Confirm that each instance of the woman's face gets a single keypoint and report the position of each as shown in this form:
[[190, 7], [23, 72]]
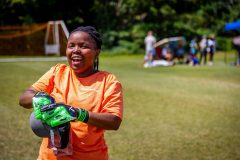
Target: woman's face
[[81, 53]]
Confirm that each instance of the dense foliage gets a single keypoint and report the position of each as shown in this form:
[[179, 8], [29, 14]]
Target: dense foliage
[[125, 22]]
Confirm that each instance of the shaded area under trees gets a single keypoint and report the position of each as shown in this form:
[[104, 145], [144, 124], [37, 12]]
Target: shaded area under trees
[[124, 23]]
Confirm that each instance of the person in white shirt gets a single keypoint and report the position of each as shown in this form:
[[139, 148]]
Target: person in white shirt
[[203, 49], [149, 42], [211, 47]]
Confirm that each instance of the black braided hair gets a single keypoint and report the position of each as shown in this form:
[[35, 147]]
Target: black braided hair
[[92, 32], [95, 35]]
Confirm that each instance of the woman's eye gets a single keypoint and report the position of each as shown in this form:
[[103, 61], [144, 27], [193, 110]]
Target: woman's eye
[[84, 46], [70, 46]]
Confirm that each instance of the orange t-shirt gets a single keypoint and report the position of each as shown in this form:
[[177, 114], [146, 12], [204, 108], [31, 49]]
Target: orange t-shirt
[[100, 92]]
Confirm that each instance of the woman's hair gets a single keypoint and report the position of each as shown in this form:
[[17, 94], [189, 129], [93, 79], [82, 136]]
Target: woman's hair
[[95, 35]]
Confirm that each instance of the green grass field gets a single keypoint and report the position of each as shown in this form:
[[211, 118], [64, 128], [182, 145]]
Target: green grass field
[[170, 113]]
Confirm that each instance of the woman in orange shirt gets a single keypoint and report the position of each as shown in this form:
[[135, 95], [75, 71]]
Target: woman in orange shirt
[[82, 86]]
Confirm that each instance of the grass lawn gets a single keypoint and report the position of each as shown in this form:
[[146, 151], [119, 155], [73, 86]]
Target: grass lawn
[[171, 113]]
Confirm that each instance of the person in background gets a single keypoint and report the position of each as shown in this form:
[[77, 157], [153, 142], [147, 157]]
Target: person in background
[[211, 48], [203, 51], [95, 97], [167, 53], [180, 52], [150, 52], [192, 58], [236, 44], [193, 46]]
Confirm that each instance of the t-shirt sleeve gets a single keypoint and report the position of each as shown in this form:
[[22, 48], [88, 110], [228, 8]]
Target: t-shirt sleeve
[[113, 97], [45, 83]]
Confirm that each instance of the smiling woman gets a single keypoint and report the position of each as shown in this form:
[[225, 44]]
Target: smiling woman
[[92, 98], [82, 51]]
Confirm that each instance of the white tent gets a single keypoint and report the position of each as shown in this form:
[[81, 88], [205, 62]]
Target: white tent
[[168, 40]]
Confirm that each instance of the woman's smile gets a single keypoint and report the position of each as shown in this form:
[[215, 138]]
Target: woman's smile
[[76, 60]]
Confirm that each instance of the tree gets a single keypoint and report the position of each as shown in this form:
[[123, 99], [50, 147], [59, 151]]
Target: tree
[[126, 22]]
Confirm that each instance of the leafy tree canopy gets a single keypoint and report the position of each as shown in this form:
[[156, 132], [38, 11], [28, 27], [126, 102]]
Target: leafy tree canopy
[[126, 21]]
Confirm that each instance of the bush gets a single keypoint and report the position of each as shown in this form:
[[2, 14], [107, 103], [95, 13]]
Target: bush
[[125, 47], [125, 42], [224, 44]]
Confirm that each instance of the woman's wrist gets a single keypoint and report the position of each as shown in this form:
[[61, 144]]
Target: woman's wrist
[[83, 115]]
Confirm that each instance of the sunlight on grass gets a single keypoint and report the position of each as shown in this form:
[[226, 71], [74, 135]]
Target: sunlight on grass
[[178, 113]]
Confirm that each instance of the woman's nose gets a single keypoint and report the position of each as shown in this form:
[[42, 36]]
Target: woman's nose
[[76, 49]]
